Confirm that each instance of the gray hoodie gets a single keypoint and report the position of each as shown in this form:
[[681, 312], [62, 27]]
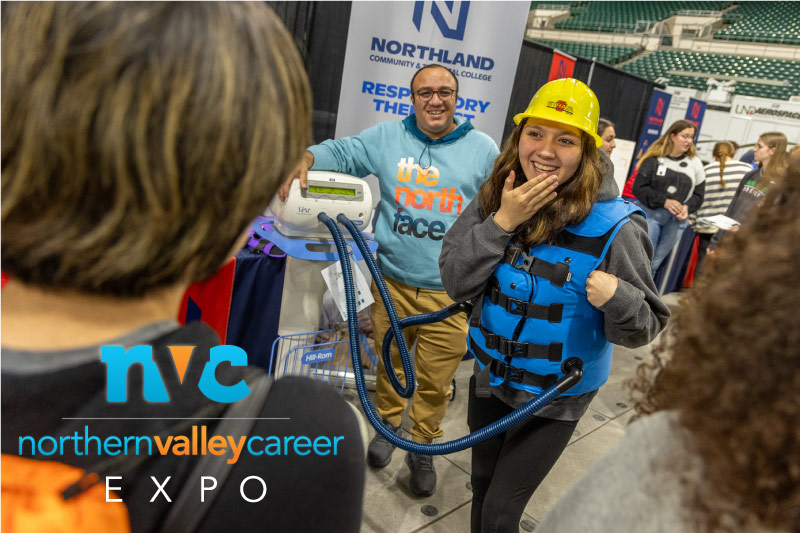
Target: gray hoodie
[[634, 315], [641, 485]]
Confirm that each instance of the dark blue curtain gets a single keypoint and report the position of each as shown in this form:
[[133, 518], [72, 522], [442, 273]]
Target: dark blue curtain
[[256, 304]]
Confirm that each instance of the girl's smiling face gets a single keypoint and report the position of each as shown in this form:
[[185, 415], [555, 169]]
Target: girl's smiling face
[[551, 148]]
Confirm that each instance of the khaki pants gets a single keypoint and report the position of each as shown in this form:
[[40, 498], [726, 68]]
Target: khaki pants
[[440, 347]]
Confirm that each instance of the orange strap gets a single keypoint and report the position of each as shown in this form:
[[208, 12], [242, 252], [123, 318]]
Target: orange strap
[[32, 501]]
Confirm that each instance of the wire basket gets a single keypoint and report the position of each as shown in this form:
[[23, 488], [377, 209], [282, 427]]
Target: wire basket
[[322, 355]]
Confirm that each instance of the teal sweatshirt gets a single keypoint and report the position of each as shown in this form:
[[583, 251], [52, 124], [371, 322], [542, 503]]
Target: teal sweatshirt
[[425, 184]]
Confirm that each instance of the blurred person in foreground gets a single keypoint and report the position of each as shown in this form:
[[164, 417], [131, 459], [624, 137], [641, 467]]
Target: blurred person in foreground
[[139, 140], [715, 445]]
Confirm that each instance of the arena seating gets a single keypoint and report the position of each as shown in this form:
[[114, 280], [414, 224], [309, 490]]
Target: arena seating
[[553, 4], [662, 63], [629, 16], [762, 22], [605, 53]]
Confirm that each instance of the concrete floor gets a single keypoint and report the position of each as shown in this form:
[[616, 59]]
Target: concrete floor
[[390, 507]]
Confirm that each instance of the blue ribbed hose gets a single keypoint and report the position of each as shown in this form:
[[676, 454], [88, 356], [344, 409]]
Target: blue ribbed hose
[[574, 373], [394, 321]]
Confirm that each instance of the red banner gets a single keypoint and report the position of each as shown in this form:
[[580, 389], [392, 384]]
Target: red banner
[[561, 67], [210, 300]]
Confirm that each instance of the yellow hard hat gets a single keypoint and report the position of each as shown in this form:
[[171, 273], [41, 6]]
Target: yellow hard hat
[[566, 101]]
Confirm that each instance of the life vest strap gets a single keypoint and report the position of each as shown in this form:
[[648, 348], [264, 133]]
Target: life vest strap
[[477, 307], [510, 373], [556, 273], [510, 348], [551, 313]]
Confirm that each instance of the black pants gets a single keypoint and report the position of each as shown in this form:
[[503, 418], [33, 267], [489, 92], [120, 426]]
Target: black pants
[[508, 468]]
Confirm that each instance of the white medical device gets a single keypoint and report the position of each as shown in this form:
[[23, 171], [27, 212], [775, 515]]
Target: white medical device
[[296, 218], [329, 192]]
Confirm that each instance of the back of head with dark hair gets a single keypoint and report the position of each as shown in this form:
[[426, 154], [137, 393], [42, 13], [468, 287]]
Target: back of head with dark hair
[[140, 138]]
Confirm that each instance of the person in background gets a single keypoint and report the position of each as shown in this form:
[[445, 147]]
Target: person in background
[[139, 141], [669, 186], [442, 162], [606, 131], [557, 266], [749, 157], [715, 444], [722, 181], [770, 154]]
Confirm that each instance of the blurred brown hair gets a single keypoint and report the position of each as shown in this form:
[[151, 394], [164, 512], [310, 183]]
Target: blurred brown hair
[[731, 369], [140, 138], [575, 197]]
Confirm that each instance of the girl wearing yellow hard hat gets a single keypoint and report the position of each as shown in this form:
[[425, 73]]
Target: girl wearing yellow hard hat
[[557, 267]]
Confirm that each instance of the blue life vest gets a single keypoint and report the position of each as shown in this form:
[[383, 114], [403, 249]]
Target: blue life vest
[[534, 313]]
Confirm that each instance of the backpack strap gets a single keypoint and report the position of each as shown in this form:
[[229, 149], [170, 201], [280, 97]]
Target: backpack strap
[[185, 514]]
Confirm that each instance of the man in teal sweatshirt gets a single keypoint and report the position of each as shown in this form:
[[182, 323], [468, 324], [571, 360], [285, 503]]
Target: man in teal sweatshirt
[[430, 166]]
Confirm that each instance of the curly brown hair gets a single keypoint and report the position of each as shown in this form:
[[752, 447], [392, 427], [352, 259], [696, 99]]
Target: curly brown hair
[[573, 203], [731, 368]]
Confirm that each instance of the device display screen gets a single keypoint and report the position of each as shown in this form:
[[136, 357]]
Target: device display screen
[[331, 190]]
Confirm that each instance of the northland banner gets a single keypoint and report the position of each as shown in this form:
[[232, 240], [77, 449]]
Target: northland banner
[[388, 41]]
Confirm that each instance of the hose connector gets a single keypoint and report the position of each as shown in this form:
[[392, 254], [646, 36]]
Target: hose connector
[[573, 368], [461, 307]]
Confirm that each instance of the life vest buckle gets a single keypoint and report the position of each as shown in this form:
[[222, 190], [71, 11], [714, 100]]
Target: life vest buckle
[[511, 348], [514, 374], [527, 263], [507, 372]]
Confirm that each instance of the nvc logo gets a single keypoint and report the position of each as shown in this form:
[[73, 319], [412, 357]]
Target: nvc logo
[[444, 14], [118, 360]]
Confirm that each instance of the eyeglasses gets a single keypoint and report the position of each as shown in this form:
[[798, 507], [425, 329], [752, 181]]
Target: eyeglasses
[[427, 94]]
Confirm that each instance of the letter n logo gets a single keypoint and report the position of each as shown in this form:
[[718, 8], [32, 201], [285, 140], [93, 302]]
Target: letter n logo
[[562, 71], [118, 360], [439, 13]]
